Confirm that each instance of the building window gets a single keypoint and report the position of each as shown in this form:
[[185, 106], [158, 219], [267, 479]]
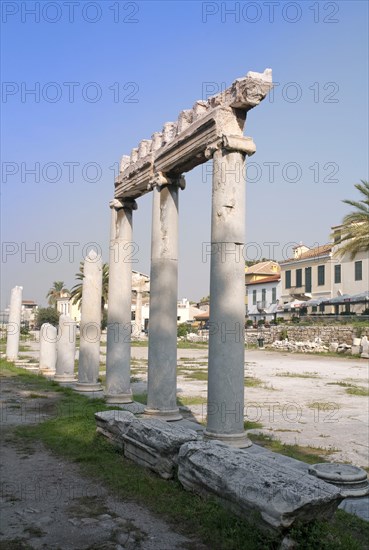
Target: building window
[[358, 271], [298, 278], [254, 297], [321, 275], [288, 279], [337, 274], [321, 308], [307, 279], [274, 295], [263, 295]]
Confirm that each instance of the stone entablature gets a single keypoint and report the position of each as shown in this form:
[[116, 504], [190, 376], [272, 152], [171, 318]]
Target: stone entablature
[[190, 141]]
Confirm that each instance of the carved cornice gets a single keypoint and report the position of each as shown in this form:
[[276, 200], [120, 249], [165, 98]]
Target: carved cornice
[[184, 144]]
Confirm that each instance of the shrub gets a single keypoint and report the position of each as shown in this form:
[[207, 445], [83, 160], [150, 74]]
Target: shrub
[[47, 315]]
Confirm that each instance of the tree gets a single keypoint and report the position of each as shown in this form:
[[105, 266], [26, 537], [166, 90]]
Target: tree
[[76, 292], [47, 315], [56, 291], [354, 233]]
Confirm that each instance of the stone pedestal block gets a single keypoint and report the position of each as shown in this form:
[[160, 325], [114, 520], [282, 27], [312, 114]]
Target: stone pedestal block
[[255, 486]]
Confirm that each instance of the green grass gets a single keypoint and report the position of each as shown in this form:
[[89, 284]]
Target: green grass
[[192, 400], [72, 435], [197, 375], [251, 382], [358, 390], [308, 454]]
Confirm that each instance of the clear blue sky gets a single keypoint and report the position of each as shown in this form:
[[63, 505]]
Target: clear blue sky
[[148, 61]]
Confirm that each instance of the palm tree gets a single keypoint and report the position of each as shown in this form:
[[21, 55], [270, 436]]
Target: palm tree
[[354, 233], [76, 292], [56, 291]]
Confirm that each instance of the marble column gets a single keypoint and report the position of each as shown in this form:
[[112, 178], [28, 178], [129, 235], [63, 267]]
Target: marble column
[[90, 326], [65, 350], [225, 414], [162, 364], [138, 314], [14, 323], [118, 352], [48, 340]]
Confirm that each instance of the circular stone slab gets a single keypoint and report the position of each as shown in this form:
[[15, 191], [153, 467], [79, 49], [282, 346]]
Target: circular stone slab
[[352, 480]]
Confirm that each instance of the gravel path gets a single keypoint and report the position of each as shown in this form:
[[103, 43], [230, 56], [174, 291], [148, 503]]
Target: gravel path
[[46, 503]]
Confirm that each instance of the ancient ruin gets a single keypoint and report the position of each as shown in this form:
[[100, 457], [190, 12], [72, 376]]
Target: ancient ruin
[[212, 129]]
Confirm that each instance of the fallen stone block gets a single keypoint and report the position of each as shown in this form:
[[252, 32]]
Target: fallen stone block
[[112, 425], [256, 487], [149, 442]]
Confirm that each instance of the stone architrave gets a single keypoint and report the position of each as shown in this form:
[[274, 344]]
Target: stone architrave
[[225, 414], [66, 350], [118, 352], [90, 326], [48, 341], [14, 323], [256, 486], [162, 354]]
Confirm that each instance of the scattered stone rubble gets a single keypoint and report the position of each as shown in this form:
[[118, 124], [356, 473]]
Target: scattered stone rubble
[[358, 347]]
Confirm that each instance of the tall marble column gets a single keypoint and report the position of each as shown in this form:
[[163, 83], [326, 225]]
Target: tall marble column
[[138, 314], [118, 352], [48, 340], [90, 326], [225, 418], [14, 323], [162, 367], [65, 350]]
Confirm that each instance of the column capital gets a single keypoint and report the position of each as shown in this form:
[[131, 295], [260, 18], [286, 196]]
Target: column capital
[[160, 179], [240, 144], [118, 204]]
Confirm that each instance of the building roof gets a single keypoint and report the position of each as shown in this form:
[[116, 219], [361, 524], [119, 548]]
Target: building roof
[[271, 279], [263, 268], [29, 303], [322, 250]]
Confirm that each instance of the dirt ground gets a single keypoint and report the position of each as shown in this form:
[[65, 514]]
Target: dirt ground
[[46, 502]]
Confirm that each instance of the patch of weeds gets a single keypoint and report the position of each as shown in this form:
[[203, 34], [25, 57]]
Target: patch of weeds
[[251, 425], [197, 375], [345, 532], [88, 507], [358, 390], [34, 531], [140, 398], [251, 382], [192, 400], [15, 544], [308, 454], [37, 396]]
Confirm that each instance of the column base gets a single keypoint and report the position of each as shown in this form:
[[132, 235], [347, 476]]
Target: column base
[[118, 398], [64, 378], [241, 441], [81, 386], [47, 372], [166, 416]]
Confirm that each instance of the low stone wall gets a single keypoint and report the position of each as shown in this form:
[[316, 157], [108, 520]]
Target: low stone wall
[[327, 334]]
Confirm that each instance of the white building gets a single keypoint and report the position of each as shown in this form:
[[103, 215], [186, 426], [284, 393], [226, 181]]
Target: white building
[[263, 297]]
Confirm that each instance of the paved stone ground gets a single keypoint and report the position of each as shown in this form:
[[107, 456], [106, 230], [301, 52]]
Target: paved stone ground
[[46, 503]]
